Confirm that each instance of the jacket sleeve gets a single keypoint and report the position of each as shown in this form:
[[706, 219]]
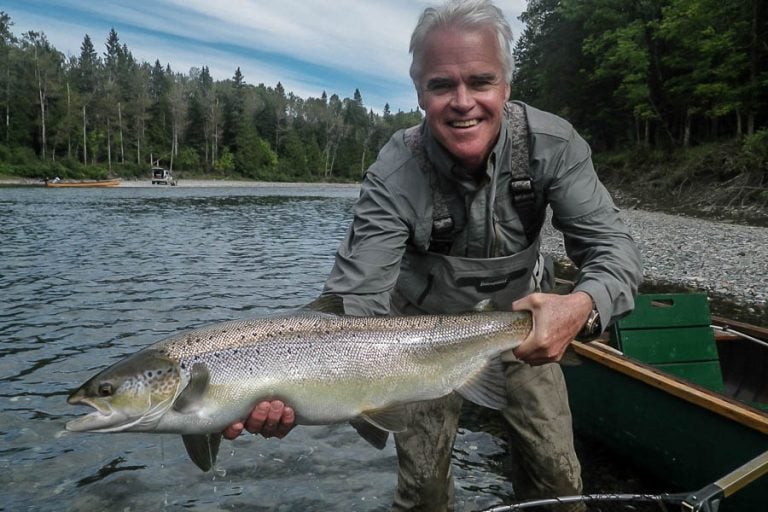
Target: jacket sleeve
[[595, 237], [368, 260]]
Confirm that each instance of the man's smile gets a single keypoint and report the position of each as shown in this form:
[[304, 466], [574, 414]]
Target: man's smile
[[465, 124]]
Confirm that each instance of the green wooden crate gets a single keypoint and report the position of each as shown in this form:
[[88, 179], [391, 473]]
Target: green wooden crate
[[672, 333]]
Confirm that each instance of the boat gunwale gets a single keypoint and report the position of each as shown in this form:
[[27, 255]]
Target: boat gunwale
[[732, 409]]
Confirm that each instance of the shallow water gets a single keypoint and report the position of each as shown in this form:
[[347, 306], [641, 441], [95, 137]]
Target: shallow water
[[88, 276]]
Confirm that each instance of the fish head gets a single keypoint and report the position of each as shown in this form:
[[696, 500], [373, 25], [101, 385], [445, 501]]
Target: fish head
[[131, 395]]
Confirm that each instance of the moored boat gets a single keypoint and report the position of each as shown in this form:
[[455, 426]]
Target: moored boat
[[82, 183], [678, 394]]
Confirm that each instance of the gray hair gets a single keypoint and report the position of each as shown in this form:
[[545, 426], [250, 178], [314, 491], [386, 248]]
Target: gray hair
[[466, 14]]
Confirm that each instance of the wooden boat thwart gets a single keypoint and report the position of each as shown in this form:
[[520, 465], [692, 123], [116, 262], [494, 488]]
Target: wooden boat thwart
[[683, 402], [83, 183]]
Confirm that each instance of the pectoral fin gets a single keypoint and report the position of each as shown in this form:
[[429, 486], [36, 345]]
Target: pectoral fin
[[202, 449], [487, 387], [190, 398]]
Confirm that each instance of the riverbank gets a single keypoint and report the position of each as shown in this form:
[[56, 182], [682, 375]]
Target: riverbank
[[188, 183]]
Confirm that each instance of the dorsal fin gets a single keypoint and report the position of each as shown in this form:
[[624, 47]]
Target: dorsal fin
[[327, 304], [487, 387]]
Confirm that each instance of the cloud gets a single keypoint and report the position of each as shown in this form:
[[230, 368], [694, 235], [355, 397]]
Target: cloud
[[309, 46]]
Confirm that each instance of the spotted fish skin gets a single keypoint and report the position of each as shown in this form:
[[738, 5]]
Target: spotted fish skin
[[329, 367]]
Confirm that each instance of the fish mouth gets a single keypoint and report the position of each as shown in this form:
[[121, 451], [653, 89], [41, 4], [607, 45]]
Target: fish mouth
[[103, 419]]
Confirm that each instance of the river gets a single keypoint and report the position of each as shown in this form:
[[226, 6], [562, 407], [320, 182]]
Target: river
[[88, 276]]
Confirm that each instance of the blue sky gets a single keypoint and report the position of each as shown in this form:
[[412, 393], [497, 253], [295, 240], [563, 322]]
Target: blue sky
[[310, 46]]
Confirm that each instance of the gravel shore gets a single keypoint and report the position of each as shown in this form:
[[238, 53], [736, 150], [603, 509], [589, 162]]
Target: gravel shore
[[727, 260]]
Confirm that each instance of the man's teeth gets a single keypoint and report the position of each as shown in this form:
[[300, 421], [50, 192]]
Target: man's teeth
[[464, 124]]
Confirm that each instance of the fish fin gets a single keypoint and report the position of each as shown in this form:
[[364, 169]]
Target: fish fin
[[189, 398], [371, 433], [390, 419], [202, 449], [487, 387], [327, 304], [485, 306]]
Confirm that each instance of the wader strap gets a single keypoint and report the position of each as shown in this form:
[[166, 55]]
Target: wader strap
[[520, 184], [443, 224]]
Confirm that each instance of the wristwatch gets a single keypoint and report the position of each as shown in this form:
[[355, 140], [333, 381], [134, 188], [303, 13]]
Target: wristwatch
[[591, 328]]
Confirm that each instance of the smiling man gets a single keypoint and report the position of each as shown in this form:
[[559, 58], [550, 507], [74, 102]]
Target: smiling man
[[450, 215]]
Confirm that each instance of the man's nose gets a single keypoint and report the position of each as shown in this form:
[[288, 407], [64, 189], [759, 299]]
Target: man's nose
[[462, 98]]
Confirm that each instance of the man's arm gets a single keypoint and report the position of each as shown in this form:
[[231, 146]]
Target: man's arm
[[596, 240]]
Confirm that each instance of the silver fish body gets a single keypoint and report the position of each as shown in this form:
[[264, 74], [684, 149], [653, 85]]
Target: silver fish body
[[330, 368]]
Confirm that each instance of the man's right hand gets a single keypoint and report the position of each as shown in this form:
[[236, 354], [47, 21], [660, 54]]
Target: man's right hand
[[270, 419]]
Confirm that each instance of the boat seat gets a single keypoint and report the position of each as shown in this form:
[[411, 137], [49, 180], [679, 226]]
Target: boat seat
[[672, 332]]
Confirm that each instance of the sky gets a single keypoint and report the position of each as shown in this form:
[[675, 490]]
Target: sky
[[310, 46]]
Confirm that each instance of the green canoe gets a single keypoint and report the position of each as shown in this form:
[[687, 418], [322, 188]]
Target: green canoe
[[678, 397]]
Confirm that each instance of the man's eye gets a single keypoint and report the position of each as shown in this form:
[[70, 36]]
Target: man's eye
[[438, 86], [482, 85]]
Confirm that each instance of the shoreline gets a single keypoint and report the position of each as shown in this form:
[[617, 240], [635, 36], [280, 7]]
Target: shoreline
[[191, 183]]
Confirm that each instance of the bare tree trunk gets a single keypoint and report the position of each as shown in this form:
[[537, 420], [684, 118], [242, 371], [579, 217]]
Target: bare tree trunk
[[41, 94], [85, 140], [109, 146], [120, 127], [647, 136], [69, 122], [8, 98]]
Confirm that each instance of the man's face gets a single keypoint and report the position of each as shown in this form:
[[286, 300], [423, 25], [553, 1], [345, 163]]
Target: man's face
[[462, 90]]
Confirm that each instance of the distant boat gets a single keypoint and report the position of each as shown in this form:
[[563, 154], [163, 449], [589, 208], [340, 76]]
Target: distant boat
[[57, 183], [161, 176]]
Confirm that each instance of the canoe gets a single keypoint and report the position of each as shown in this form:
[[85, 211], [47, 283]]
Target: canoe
[[84, 183], [678, 394]]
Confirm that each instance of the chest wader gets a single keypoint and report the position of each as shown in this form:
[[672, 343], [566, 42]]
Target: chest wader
[[435, 282]]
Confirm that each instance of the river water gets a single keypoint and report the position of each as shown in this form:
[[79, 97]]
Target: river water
[[88, 276]]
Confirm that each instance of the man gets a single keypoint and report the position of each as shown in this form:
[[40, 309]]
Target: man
[[450, 215]]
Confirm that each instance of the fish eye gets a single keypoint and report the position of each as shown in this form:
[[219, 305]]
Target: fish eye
[[105, 389]]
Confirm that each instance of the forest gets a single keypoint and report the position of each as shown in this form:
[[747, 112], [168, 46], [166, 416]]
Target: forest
[[105, 114], [644, 81], [671, 94]]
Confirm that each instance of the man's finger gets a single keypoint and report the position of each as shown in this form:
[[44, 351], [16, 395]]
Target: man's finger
[[234, 430]]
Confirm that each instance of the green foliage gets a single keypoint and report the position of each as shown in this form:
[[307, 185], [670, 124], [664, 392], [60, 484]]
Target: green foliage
[[667, 73], [187, 159], [226, 163], [110, 111]]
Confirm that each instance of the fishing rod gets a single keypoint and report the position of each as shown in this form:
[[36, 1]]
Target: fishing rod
[[706, 499]]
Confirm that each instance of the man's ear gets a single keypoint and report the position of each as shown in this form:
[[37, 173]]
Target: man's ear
[[421, 99]]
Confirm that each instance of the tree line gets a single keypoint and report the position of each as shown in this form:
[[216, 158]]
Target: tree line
[[658, 73], [108, 113]]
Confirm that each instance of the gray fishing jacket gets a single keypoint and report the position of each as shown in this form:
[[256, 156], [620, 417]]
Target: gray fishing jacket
[[386, 252]]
